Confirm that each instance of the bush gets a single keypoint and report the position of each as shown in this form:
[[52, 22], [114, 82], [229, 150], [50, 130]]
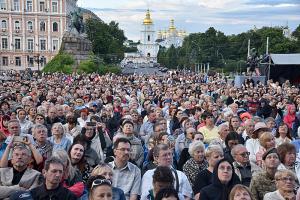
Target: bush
[[87, 66], [62, 62]]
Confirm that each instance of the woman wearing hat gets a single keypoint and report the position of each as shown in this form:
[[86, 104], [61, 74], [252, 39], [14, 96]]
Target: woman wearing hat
[[137, 152], [253, 144]]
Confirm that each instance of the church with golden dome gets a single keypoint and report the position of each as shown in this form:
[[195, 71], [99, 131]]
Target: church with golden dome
[[149, 42], [171, 36], [148, 48]]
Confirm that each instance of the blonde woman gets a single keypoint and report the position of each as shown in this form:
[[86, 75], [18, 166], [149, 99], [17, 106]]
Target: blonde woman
[[106, 171]]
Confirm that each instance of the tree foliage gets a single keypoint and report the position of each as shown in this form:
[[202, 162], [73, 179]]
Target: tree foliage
[[107, 40], [223, 51], [62, 62]]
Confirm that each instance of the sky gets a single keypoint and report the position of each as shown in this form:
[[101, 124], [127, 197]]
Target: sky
[[228, 16]]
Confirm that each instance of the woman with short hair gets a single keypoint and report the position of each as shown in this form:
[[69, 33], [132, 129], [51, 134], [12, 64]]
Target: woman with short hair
[[285, 183], [213, 154], [197, 162], [105, 170]]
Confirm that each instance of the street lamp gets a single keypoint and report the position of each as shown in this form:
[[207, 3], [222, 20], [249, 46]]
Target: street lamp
[[38, 60]]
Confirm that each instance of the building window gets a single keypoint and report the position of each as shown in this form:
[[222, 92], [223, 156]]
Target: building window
[[30, 44], [5, 61], [30, 61], [42, 6], [42, 26], [2, 5], [42, 45], [17, 25], [17, 44], [29, 6], [4, 24], [55, 27], [43, 61], [18, 61], [148, 37], [29, 25], [55, 45], [4, 43], [54, 6], [16, 5]]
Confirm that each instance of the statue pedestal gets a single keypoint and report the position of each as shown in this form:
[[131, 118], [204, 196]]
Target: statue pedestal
[[76, 45]]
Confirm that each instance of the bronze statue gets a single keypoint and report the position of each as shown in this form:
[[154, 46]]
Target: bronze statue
[[77, 21]]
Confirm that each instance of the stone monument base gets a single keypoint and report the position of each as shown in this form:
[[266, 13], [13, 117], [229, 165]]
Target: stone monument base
[[76, 45]]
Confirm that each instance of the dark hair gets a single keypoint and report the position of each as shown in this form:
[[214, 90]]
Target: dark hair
[[165, 193], [230, 122], [206, 114], [231, 136], [288, 134], [82, 162], [91, 179], [285, 148], [119, 140], [52, 160], [163, 174]]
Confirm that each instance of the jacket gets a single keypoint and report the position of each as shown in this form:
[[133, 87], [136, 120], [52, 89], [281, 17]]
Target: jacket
[[30, 179], [60, 193], [217, 190]]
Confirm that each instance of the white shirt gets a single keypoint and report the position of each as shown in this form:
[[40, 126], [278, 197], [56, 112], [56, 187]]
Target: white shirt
[[184, 184], [252, 145]]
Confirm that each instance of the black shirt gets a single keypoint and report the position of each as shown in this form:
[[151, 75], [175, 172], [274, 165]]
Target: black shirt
[[204, 178], [17, 176]]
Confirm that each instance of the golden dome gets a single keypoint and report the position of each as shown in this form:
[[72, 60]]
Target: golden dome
[[172, 27], [148, 20]]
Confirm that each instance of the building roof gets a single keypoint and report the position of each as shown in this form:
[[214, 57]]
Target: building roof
[[286, 59]]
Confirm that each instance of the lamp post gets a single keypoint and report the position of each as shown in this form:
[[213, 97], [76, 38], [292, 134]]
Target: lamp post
[[38, 60]]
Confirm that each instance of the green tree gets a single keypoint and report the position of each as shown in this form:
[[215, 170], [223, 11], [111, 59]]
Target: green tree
[[62, 62], [107, 40]]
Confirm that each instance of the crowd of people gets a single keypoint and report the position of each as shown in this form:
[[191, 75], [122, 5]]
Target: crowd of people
[[173, 137]]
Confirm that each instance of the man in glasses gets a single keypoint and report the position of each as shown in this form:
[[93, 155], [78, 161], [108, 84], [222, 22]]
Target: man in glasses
[[126, 175], [19, 176], [242, 165], [164, 157], [52, 189]]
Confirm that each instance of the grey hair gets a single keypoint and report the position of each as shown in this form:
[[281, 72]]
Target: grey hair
[[22, 147], [38, 126], [60, 126], [194, 146], [234, 149]]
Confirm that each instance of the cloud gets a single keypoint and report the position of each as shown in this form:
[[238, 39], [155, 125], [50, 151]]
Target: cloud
[[229, 16]]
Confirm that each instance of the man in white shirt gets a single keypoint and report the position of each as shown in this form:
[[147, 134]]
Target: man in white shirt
[[164, 157]]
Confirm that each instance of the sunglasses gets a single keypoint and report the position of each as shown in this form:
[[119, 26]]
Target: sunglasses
[[99, 182]]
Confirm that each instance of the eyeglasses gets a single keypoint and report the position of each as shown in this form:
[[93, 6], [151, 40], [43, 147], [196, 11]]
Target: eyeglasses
[[98, 182], [244, 154], [286, 179], [124, 149], [222, 168]]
